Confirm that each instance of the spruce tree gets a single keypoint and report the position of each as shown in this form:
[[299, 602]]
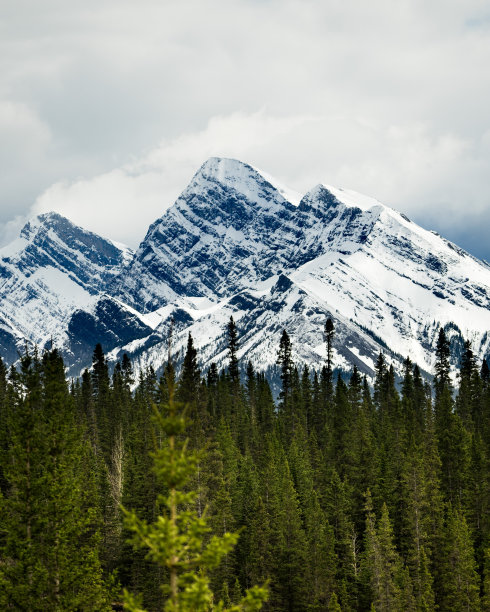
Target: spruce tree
[[320, 541], [442, 378], [233, 370], [468, 401], [453, 439], [390, 586], [460, 580], [421, 500], [190, 377], [329, 337], [285, 361]]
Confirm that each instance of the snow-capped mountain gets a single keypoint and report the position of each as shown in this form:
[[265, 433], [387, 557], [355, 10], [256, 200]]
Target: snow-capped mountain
[[232, 233], [228, 230], [53, 269], [238, 243]]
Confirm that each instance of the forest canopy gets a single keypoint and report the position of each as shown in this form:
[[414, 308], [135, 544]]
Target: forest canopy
[[339, 496]]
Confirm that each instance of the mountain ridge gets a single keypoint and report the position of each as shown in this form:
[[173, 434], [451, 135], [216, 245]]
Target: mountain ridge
[[233, 244]]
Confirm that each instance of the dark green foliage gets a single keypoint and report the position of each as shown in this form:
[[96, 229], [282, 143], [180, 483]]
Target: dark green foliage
[[291, 478], [188, 387], [460, 589], [285, 361], [48, 508], [175, 541], [233, 370]]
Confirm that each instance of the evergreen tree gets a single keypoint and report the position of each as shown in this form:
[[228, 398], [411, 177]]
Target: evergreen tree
[[468, 400], [421, 499], [190, 377], [285, 361], [341, 443], [390, 587], [329, 337], [333, 604], [442, 378], [453, 439], [321, 561], [347, 541], [233, 369], [460, 580], [102, 402]]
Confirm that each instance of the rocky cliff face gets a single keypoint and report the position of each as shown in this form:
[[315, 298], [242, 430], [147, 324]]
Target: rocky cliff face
[[51, 270]]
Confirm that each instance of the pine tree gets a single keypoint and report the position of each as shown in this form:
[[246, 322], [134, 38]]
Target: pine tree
[[287, 537], [306, 399], [452, 437], [390, 586], [468, 401], [285, 361], [321, 560], [233, 370], [341, 442], [102, 402], [421, 500], [347, 540], [190, 377], [329, 337], [442, 379], [460, 580], [333, 604], [139, 487]]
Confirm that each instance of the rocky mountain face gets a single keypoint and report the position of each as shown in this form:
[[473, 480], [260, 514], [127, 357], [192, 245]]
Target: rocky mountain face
[[51, 271], [237, 244]]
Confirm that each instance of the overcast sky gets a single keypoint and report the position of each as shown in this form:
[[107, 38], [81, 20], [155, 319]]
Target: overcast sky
[[108, 107]]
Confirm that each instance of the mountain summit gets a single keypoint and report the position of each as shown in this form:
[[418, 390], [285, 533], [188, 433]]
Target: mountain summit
[[52, 269]]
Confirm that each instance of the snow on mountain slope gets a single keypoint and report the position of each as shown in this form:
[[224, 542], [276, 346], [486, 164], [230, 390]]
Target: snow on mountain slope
[[395, 278], [260, 317], [52, 269]]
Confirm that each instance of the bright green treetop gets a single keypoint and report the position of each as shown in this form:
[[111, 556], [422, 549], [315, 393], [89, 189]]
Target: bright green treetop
[[176, 540]]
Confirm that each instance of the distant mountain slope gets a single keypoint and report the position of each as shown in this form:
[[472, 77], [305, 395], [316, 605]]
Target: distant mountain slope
[[51, 270]]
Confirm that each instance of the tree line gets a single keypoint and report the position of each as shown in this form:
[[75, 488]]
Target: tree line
[[339, 496]]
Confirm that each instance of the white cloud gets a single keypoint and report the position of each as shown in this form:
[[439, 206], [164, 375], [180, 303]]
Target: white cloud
[[387, 98], [404, 166], [122, 203], [21, 129]]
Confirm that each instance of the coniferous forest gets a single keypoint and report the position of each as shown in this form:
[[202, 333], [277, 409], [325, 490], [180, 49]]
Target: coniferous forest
[[197, 491]]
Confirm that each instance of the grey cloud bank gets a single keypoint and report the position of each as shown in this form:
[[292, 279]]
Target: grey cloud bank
[[108, 108]]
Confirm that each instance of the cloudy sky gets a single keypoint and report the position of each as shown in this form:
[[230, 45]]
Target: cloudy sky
[[108, 107]]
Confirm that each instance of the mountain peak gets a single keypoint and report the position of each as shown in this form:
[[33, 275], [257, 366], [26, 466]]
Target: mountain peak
[[52, 239], [353, 199], [235, 242], [227, 171], [238, 176], [46, 221]]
